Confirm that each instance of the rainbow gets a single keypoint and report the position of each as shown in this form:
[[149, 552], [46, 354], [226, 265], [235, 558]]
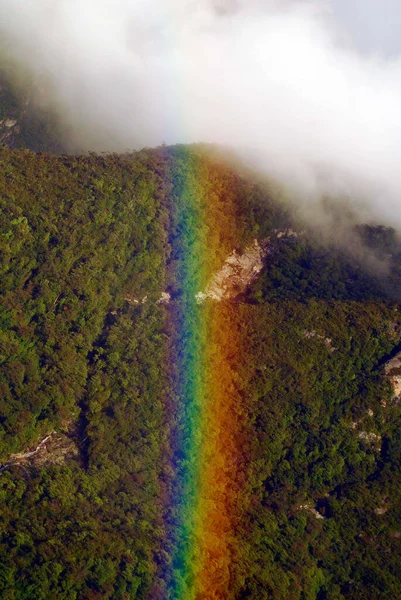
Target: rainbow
[[207, 429]]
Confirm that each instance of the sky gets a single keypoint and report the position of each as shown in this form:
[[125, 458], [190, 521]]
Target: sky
[[372, 26], [308, 90]]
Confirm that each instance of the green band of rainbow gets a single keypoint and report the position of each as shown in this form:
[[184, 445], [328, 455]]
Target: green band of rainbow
[[206, 431]]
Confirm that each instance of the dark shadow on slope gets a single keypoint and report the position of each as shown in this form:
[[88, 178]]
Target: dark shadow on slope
[[297, 269]]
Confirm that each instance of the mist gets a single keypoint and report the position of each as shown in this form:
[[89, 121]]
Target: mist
[[303, 90]]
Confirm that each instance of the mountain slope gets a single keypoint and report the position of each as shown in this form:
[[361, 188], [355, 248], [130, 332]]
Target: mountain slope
[[87, 350], [23, 123]]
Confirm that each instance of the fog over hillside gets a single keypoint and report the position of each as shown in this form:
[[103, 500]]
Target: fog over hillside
[[309, 91]]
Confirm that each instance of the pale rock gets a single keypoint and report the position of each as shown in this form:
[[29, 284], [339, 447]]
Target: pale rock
[[370, 437], [165, 298], [54, 449], [312, 510], [328, 342], [237, 273], [393, 371]]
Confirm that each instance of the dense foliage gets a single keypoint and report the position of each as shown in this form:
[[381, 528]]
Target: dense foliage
[[88, 244]]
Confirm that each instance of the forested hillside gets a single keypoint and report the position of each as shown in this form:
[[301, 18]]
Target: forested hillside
[[23, 121], [88, 355]]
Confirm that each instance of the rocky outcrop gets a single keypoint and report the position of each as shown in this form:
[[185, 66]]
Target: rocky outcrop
[[165, 298], [240, 270], [132, 300], [287, 233], [54, 449], [237, 273], [328, 342], [312, 510], [393, 371], [25, 119], [8, 129], [381, 510], [370, 438]]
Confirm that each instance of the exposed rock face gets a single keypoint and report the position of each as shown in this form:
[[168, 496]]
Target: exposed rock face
[[9, 122], [370, 437], [355, 424], [237, 273], [10, 113], [25, 120], [289, 233], [54, 449], [165, 298], [328, 342], [8, 128], [393, 372], [312, 510], [132, 300]]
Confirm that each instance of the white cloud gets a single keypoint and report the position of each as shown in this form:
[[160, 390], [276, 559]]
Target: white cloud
[[269, 77]]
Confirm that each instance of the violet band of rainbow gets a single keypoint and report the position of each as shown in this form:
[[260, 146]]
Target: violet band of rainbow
[[206, 431]]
